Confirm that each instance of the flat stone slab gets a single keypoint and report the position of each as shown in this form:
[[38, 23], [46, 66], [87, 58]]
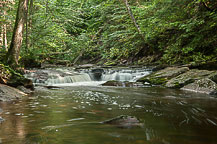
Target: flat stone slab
[[162, 76], [8, 93], [187, 78], [205, 85], [171, 72]]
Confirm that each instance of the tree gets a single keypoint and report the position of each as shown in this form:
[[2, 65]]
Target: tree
[[17, 38], [3, 24]]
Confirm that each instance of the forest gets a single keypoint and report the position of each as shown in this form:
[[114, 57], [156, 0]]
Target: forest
[[108, 71], [108, 32]]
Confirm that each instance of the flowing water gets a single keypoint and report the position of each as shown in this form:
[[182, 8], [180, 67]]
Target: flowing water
[[73, 115]]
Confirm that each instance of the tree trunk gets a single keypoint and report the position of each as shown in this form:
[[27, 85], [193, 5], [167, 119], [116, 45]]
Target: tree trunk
[[3, 33], [30, 13], [1, 36], [27, 32], [17, 38], [5, 41], [132, 17]]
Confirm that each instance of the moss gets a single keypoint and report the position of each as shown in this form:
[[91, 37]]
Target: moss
[[158, 81], [13, 78], [153, 80]]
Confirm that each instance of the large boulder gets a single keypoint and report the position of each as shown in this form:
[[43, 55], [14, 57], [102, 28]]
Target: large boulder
[[164, 75], [187, 78], [16, 80], [204, 85], [12, 78], [8, 93], [97, 73]]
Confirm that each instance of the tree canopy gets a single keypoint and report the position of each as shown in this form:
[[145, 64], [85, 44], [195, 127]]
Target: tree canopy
[[114, 31]]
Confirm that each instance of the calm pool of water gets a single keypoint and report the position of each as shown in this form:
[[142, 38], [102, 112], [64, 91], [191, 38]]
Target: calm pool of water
[[72, 115]]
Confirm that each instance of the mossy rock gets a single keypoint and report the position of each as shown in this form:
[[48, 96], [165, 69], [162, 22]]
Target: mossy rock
[[153, 80], [12, 78], [163, 76], [204, 85], [16, 81], [187, 78]]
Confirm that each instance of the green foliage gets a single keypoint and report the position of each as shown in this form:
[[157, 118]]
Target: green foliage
[[177, 31]]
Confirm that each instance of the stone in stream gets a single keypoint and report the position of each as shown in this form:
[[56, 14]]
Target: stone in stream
[[205, 85], [123, 84], [97, 73], [124, 121]]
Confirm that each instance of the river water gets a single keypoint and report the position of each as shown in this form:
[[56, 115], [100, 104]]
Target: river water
[[72, 115]]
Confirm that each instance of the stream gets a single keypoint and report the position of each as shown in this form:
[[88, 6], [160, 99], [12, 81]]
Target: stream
[[72, 113]]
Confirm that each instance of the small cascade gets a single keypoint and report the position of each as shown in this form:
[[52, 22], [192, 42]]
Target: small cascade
[[117, 76], [68, 77], [130, 75], [53, 77]]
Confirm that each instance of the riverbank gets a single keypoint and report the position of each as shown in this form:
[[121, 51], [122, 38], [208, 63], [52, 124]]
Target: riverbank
[[185, 77]]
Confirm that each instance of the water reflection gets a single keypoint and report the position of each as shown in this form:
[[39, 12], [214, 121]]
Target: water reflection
[[13, 128], [73, 115]]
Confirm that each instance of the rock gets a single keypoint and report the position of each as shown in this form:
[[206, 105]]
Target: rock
[[171, 72], [12, 78], [159, 67], [24, 89], [52, 87], [187, 78], [204, 85], [123, 84], [16, 81], [47, 65], [213, 76], [1, 119], [97, 73], [124, 121], [86, 66], [8, 93], [162, 76]]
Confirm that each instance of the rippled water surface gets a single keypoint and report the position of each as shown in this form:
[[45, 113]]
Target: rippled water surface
[[72, 115]]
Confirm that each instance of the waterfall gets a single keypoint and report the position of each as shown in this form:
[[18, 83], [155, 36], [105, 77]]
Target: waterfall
[[68, 76], [53, 77], [69, 79], [119, 74]]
